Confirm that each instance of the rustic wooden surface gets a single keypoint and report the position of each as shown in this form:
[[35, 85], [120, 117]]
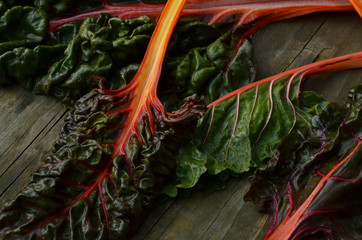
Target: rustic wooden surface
[[29, 125]]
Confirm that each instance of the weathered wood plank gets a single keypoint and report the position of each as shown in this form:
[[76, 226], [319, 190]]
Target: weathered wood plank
[[199, 210], [337, 35], [29, 125]]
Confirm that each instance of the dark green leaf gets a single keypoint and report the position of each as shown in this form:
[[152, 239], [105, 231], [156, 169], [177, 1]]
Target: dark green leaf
[[22, 64], [99, 47], [244, 131], [84, 191], [211, 70], [22, 27]]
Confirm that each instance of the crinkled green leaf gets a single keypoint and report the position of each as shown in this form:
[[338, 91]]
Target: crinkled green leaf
[[203, 59], [244, 131], [191, 165], [21, 64], [112, 48], [312, 185], [22, 27], [242, 134], [84, 191], [99, 47], [212, 64], [115, 151]]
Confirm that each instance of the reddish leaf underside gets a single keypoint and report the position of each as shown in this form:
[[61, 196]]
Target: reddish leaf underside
[[312, 184], [288, 226], [293, 219]]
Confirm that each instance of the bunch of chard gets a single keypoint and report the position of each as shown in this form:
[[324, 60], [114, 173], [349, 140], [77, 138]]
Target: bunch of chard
[[123, 142]]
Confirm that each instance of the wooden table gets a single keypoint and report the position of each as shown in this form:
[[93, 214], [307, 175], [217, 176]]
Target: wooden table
[[29, 125]]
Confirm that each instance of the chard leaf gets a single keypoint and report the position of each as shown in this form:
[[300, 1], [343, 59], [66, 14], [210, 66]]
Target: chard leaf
[[111, 160], [22, 27], [312, 185], [97, 48], [211, 70], [86, 189], [22, 63], [204, 65], [243, 129]]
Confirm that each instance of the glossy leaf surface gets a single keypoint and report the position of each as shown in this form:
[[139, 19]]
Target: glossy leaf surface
[[312, 184], [243, 129], [22, 27], [102, 47]]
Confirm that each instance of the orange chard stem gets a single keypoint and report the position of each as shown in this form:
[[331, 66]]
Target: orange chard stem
[[349, 61], [289, 224], [144, 84], [357, 4]]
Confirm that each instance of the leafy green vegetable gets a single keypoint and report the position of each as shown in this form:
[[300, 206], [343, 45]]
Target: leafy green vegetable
[[312, 184], [97, 48], [118, 146], [22, 27], [243, 129], [206, 70], [111, 160], [83, 191], [112, 48]]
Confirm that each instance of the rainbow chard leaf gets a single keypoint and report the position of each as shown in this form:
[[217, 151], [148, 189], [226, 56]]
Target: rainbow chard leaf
[[118, 145], [312, 185], [111, 159], [104, 173], [243, 129]]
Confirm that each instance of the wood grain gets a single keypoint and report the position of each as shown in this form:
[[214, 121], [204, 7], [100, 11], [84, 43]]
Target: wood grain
[[29, 125]]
